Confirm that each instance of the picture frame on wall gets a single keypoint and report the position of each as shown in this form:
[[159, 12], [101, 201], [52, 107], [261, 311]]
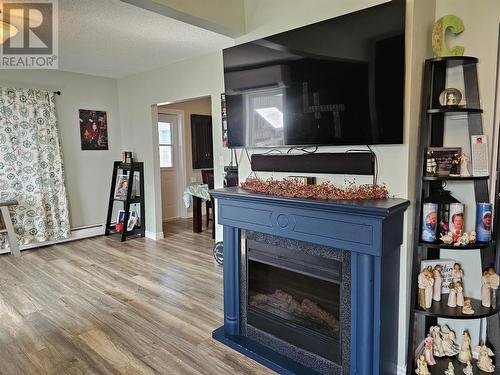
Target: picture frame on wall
[[93, 129], [443, 161]]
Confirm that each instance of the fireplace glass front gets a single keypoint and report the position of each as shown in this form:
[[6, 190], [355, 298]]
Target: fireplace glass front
[[296, 299]]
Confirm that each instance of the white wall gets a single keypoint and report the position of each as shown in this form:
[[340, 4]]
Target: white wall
[[88, 173], [180, 81]]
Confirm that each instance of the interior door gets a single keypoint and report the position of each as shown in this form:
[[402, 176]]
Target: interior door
[[168, 126]]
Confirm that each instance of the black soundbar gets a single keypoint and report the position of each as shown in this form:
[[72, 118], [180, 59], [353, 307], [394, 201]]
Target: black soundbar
[[358, 163]]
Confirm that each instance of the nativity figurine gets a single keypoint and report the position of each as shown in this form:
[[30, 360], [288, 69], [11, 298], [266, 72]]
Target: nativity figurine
[[490, 282], [437, 341], [428, 350], [452, 296], [450, 349], [438, 282], [465, 354], [468, 369], [457, 274], [425, 288], [484, 362], [467, 309], [450, 370], [422, 368], [459, 289]]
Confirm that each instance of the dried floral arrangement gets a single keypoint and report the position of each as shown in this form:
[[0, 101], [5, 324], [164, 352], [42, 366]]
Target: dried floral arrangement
[[295, 188]]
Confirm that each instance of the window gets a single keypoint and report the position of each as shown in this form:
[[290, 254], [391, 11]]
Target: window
[[166, 145]]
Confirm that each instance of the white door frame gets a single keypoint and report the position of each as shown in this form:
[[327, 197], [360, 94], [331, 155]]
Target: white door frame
[[181, 160]]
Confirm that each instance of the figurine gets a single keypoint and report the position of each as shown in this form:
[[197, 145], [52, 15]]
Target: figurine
[[447, 239], [464, 166], [425, 288], [468, 369], [450, 370], [452, 297], [431, 167], [459, 289], [490, 281], [422, 368], [428, 351], [467, 309], [450, 349], [455, 165], [437, 341], [457, 272], [484, 362], [438, 282], [465, 354]]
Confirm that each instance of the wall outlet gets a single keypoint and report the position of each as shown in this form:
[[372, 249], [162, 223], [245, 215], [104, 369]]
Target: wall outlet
[[193, 179]]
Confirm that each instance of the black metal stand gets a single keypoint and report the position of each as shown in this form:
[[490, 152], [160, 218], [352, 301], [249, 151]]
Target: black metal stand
[[129, 170]]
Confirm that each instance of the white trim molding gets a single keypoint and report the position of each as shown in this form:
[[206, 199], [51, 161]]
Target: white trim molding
[[76, 234], [154, 236]]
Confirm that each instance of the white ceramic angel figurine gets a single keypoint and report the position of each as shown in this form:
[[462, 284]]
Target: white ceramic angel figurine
[[467, 309], [490, 281], [438, 282], [464, 165], [484, 362], [428, 351], [485, 290], [457, 273], [452, 297], [465, 354], [437, 341], [450, 370], [460, 293], [494, 282], [450, 349], [422, 368], [468, 369], [425, 288]]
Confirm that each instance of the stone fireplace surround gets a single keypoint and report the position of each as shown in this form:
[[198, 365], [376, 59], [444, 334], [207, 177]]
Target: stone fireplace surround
[[370, 232]]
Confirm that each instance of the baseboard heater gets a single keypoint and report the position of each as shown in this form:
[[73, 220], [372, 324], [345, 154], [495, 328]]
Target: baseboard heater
[[356, 163]]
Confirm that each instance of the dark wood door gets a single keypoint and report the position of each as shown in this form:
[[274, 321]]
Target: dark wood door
[[201, 141]]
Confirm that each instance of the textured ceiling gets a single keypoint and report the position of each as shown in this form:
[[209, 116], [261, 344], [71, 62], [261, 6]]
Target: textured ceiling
[[114, 39]]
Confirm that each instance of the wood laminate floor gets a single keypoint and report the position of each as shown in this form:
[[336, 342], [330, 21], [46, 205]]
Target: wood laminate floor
[[98, 306]]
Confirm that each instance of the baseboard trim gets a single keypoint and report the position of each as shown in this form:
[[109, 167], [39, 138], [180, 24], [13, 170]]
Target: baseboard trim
[[76, 234], [154, 236]]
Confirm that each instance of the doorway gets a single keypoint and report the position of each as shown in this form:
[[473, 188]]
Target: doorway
[[179, 165]]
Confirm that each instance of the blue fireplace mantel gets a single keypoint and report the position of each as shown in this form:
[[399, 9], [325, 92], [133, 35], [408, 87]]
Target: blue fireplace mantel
[[372, 231]]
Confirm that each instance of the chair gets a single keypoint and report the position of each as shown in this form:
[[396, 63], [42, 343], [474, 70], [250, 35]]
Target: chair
[[207, 176]]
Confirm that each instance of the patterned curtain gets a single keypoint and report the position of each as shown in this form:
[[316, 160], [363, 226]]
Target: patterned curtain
[[31, 167]]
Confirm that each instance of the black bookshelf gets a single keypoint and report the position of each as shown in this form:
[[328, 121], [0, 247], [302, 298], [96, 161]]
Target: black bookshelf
[[431, 134], [129, 169]]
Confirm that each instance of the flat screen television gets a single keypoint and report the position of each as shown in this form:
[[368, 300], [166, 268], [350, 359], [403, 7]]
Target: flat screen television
[[335, 82]]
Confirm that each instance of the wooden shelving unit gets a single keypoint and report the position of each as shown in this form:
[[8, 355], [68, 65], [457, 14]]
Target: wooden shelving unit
[[431, 135], [130, 170]]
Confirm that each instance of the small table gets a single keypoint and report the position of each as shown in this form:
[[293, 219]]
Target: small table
[[199, 194], [7, 224]]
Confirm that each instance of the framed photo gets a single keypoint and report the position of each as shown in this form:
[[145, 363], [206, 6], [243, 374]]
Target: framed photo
[[479, 148], [121, 187], [443, 161], [93, 129]]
